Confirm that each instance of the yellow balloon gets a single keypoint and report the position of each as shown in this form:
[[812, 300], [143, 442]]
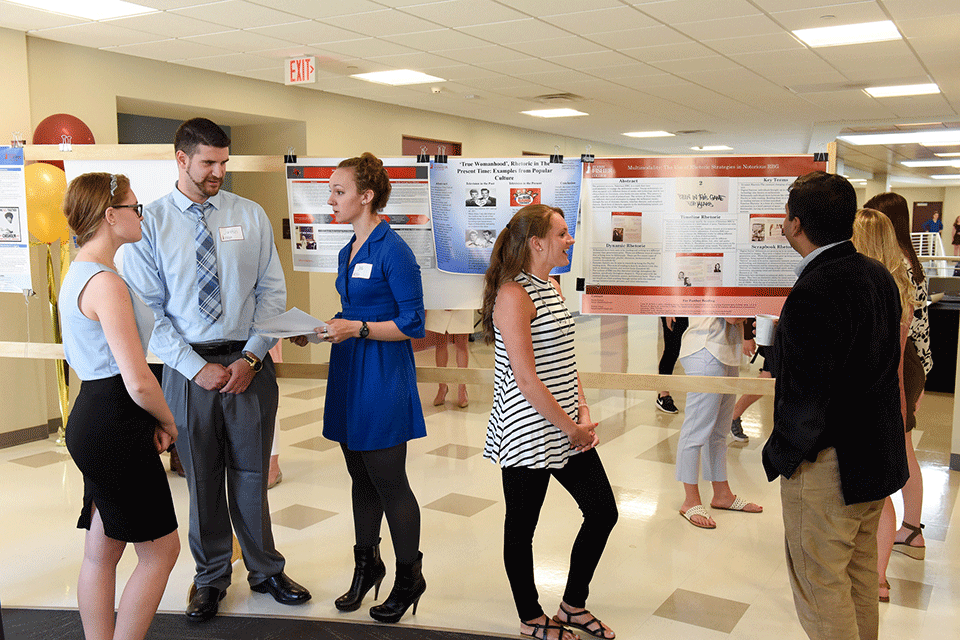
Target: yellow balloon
[[46, 185]]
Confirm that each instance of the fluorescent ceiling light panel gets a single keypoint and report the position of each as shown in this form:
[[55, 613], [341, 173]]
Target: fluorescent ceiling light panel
[[848, 34], [938, 137], [931, 163], [946, 176], [903, 90], [89, 9], [952, 154], [554, 113], [397, 77], [649, 134], [713, 147]]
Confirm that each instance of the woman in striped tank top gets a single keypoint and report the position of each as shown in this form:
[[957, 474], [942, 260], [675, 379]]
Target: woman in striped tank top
[[540, 425]]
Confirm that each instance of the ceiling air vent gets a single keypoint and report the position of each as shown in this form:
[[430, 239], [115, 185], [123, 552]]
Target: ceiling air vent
[[558, 98]]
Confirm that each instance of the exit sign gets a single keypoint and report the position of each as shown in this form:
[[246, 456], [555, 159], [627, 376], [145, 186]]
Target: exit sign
[[301, 71]]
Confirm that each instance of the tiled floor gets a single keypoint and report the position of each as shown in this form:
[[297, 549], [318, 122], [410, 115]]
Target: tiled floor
[[659, 577]]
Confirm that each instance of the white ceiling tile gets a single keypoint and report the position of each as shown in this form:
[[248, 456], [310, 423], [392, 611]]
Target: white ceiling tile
[[599, 20], [240, 41], [751, 44], [540, 8], [20, 18], [386, 22], [306, 32], [687, 65], [660, 53], [166, 24], [320, 8], [233, 62], [169, 50], [237, 14], [853, 13], [175, 4], [483, 55], [519, 31], [744, 26], [363, 48], [633, 38], [96, 35], [436, 40], [911, 9], [418, 61], [464, 13], [295, 51], [558, 47], [593, 60], [678, 11], [518, 68]]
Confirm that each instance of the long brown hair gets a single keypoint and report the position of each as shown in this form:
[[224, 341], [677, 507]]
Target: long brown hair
[[873, 236], [511, 255], [894, 206]]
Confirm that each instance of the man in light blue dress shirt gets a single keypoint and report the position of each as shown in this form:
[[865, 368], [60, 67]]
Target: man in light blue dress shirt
[[218, 379]]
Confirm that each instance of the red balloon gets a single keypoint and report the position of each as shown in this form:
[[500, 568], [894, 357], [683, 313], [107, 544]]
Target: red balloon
[[52, 129]]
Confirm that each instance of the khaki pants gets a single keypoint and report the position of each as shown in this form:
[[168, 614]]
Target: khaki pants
[[831, 553]]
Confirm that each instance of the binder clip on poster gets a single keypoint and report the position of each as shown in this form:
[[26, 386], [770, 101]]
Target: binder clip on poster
[[290, 157], [556, 158], [441, 157], [587, 158], [66, 143], [17, 140], [423, 156]]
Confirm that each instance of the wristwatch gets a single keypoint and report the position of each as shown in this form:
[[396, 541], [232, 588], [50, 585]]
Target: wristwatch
[[364, 330], [255, 363]]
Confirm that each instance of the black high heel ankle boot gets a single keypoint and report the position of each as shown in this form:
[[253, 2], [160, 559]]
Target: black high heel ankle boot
[[407, 589], [368, 573]]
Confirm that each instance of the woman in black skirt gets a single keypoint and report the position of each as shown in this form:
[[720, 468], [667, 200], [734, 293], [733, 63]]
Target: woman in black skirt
[[120, 421]]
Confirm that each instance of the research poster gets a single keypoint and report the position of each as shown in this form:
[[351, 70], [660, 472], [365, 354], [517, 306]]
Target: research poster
[[472, 200], [316, 236], [688, 236], [14, 235]]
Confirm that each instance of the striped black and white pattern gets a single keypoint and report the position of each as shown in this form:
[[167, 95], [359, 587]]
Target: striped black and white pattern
[[518, 436]]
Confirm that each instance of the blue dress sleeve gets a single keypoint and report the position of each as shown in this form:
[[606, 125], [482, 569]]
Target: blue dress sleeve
[[403, 278]]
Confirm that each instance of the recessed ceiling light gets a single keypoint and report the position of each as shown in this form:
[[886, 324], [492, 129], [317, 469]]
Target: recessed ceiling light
[[713, 147], [554, 113], [902, 90], [649, 134], [848, 34], [931, 163], [397, 77], [89, 9], [940, 136]]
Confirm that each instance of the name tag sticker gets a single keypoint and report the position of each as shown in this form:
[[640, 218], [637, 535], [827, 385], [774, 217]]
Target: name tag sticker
[[231, 234], [362, 270]]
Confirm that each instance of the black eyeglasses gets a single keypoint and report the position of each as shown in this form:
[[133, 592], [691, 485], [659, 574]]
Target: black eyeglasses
[[136, 207]]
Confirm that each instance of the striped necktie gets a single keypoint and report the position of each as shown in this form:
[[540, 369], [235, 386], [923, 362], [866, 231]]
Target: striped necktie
[[207, 281]]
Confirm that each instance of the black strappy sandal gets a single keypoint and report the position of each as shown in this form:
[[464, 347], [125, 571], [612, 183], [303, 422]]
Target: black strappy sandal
[[917, 553], [593, 626]]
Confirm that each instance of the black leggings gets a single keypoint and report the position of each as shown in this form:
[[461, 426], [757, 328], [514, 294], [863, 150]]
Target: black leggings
[[380, 487], [671, 345], [524, 490]]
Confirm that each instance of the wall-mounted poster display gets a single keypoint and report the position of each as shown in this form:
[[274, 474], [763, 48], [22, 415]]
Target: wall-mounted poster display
[[14, 239], [316, 236], [688, 236], [472, 199]]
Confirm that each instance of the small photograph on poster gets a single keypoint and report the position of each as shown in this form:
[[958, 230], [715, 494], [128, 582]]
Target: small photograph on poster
[[627, 226], [767, 228], [699, 269], [10, 224], [523, 196], [480, 238], [486, 198], [703, 193]]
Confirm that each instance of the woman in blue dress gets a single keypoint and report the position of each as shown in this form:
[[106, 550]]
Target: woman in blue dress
[[119, 422], [373, 406]]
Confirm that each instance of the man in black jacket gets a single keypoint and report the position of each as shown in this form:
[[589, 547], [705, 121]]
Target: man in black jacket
[[838, 439]]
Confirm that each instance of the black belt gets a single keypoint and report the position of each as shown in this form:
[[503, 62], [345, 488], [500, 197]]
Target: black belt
[[218, 348]]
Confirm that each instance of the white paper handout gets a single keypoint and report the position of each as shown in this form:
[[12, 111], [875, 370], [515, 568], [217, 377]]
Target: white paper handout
[[290, 323]]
